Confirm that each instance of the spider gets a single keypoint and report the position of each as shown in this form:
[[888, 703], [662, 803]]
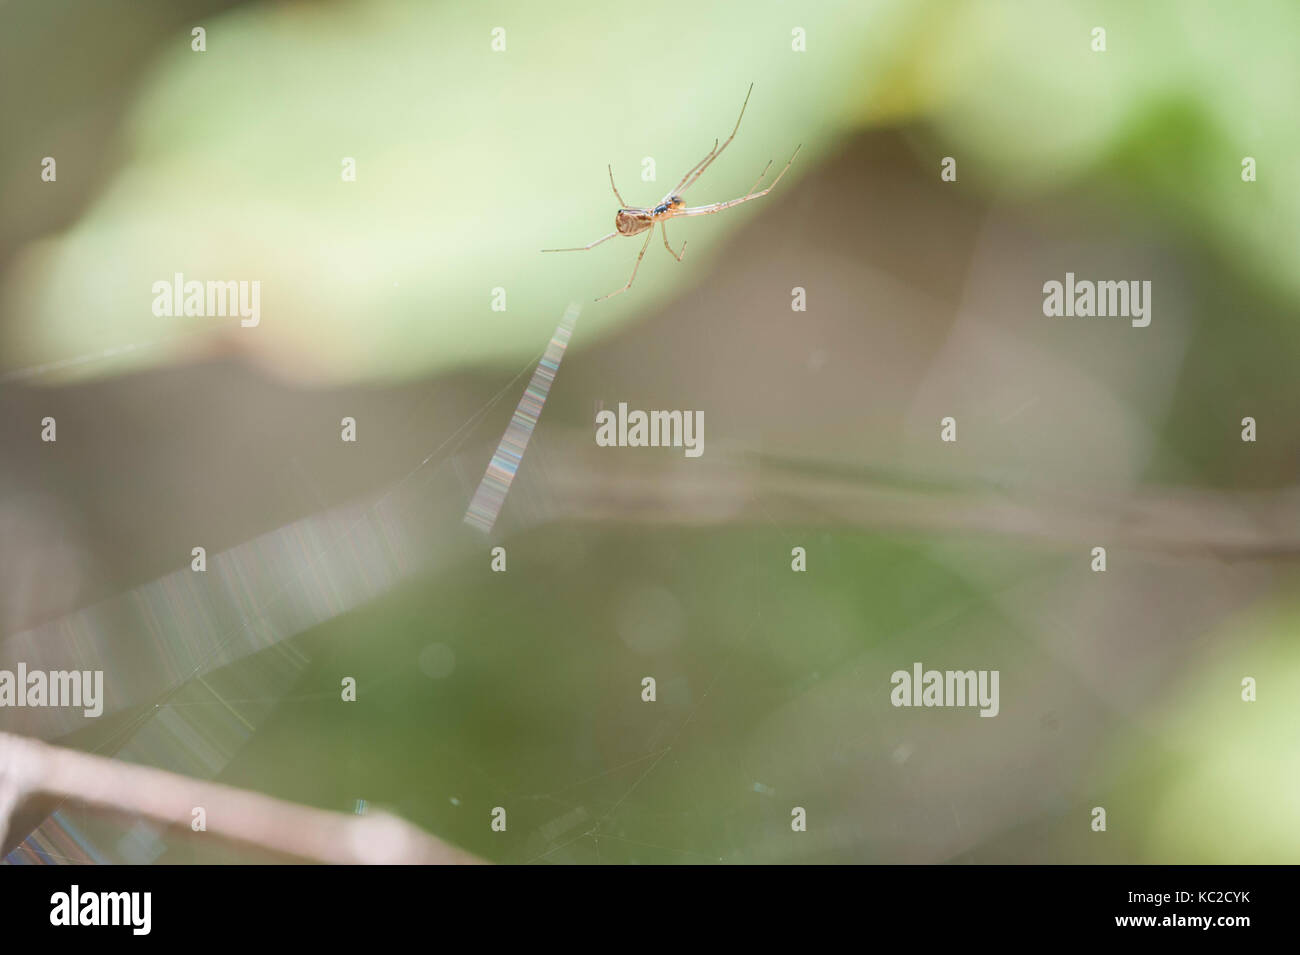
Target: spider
[[633, 220]]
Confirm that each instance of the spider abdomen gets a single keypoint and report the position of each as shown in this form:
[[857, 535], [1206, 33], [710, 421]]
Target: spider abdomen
[[632, 221]]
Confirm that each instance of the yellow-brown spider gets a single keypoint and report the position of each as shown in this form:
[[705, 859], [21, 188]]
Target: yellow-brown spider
[[632, 220]]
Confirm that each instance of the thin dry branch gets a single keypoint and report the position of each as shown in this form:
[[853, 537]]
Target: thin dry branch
[[31, 769], [739, 488]]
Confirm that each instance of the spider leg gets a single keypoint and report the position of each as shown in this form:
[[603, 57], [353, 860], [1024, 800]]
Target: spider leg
[[676, 255], [760, 178], [641, 256], [719, 206], [693, 176], [621, 203], [689, 172], [589, 245]]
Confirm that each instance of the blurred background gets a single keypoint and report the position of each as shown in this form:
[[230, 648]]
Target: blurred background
[[522, 690]]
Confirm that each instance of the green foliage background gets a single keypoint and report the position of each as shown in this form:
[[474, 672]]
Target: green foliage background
[[226, 165]]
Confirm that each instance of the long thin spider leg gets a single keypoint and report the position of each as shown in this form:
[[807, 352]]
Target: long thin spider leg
[[621, 203], [675, 255], [694, 176], [690, 172], [760, 178], [589, 245], [641, 256], [719, 206]]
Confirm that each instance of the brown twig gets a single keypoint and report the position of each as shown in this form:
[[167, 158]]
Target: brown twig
[[31, 769], [737, 488]]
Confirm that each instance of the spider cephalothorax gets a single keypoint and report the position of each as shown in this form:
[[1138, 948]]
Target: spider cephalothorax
[[670, 203]]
